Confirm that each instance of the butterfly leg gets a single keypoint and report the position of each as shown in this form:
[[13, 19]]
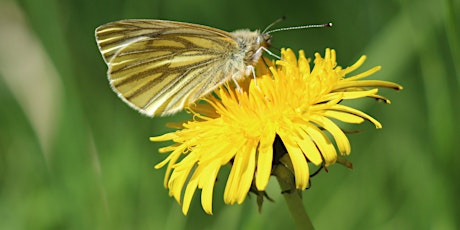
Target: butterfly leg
[[253, 74], [249, 69], [237, 85], [270, 53]]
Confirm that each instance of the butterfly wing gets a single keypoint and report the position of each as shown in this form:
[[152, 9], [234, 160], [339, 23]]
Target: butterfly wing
[[158, 67]]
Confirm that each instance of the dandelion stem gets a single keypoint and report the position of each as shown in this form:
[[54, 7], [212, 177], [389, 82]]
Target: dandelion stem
[[292, 196]]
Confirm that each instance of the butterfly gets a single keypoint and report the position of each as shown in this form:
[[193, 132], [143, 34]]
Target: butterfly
[[158, 67]]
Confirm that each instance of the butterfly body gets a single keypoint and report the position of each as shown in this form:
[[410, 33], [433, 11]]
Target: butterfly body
[[159, 67]]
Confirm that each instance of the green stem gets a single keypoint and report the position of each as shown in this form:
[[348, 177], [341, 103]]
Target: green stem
[[293, 197], [286, 181]]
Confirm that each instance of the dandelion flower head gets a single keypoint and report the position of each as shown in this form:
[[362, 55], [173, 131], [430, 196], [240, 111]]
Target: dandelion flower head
[[291, 99]]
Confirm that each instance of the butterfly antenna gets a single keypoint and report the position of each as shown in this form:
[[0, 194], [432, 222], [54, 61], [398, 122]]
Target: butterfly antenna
[[299, 27], [274, 23]]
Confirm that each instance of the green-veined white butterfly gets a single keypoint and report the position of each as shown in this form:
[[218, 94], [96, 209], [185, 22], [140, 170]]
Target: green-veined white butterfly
[[159, 67]]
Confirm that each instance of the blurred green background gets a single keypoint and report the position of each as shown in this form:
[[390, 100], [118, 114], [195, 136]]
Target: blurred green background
[[74, 156]]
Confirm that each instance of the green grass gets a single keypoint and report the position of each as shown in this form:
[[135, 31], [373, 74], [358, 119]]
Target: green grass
[[74, 156]]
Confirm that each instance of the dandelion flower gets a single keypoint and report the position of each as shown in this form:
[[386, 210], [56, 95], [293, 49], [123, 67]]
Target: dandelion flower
[[291, 99]]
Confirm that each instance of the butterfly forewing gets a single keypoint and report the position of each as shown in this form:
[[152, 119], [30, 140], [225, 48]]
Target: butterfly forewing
[[158, 67]]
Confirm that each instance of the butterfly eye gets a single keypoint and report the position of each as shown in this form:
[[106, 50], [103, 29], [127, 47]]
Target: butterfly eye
[[267, 40]]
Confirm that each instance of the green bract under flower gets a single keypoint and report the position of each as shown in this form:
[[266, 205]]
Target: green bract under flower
[[293, 100]]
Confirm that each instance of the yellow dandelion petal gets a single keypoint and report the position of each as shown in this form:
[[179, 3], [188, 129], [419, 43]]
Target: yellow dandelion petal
[[323, 143], [341, 140], [189, 191], [358, 113], [207, 181], [356, 94], [308, 148], [247, 175], [167, 149], [241, 175], [298, 160], [179, 177], [265, 158], [164, 137], [343, 116], [369, 83], [355, 66]]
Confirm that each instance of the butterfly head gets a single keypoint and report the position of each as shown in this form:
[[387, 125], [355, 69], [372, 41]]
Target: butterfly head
[[264, 40]]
